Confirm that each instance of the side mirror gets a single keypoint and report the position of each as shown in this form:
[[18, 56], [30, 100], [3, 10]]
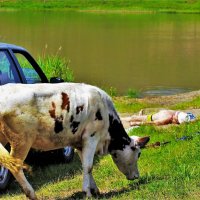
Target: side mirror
[[56, 80]]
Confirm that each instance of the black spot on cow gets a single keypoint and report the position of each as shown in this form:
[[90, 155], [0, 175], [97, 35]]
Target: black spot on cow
[[119, 137], [90, 170], [58, 124], [71, 118], [139, 154], [133, 148], [114, 155], [74, 126], [79, 109], [92, 134], [98, 115]]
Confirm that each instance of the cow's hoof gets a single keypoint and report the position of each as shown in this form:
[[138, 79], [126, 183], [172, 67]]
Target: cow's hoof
[[95, 191], [88, 194]]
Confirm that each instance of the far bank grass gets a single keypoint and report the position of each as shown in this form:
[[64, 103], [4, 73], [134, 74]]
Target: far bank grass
[[133, 105], [183, 6]]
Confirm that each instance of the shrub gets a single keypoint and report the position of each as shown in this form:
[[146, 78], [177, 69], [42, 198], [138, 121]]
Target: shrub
[[55, 66], [132, 93]]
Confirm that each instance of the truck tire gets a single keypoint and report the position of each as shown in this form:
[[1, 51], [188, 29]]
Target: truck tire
[[5, 178], [68, 154]]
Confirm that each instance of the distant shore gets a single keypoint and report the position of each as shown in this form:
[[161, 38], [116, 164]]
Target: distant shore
[[106, 6]]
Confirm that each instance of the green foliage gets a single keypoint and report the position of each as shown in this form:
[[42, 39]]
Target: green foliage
[[55, 66], [194, 104], [132, 93], [131, 105]]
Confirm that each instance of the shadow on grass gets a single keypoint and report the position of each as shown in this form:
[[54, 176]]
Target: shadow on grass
[[44, 172], [107, 195], [103, 195]]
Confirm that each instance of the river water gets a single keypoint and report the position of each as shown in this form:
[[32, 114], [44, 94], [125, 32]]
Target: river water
[[153, 53]]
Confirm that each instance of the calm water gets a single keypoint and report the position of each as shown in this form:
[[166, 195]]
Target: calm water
[[159, 53]]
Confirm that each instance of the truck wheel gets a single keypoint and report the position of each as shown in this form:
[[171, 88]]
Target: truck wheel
[[68, 154], [5, 178]]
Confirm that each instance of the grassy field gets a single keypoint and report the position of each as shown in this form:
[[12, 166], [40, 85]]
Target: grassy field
[[107, 5], [170, 171]]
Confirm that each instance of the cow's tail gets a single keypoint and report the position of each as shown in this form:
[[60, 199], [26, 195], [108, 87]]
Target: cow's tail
[[11, 163]]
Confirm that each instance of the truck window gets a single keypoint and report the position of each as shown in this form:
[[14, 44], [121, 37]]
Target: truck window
[[8, 73], [30, 74]]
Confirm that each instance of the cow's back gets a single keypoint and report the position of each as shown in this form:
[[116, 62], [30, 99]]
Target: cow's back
[[57, 114]]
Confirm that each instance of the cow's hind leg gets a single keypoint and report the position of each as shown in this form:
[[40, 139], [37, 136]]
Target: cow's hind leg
[[20, 146], [20, 152]]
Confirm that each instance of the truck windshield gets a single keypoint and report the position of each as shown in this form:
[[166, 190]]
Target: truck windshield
[[8, 73], [30, 74]]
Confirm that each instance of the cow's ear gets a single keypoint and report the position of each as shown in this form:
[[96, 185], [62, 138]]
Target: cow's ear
[[141, 141]]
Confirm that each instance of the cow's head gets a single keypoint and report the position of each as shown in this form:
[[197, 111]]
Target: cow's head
[[126, 159]]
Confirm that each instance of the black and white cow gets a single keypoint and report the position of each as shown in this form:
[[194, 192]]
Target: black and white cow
[[52, 116]]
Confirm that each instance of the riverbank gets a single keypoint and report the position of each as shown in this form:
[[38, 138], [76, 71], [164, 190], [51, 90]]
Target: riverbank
[[185, 101], [114, 6]]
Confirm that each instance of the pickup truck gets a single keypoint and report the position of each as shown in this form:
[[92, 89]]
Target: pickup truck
[[18, 66]]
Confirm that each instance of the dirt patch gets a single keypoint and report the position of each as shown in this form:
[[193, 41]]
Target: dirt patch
[[172, 99]]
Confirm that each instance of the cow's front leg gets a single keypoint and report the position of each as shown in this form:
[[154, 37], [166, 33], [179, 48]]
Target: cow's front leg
[[87, 157], [93, 187]]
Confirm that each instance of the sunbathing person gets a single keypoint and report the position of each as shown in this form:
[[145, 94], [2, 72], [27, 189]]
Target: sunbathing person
[[162, 117]]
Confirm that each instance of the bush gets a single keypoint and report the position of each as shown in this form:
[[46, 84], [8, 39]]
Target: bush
[[132, 93], [55, 66]]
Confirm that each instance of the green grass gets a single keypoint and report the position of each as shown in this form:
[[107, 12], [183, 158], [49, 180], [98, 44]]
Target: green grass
[[130, 105], [107, 5], [167, 172], [193, 104], [170, 171]]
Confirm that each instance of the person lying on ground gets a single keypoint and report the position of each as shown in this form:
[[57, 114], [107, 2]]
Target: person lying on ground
[[162, 117]]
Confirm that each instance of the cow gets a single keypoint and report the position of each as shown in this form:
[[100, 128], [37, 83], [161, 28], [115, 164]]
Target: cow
[[51, 116]]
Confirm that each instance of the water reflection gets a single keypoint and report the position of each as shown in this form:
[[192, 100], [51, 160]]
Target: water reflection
[[124, 51], [158, 91]]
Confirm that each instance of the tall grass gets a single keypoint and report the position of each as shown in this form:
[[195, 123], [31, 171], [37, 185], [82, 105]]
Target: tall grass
[[55, 66], [133, 93]]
